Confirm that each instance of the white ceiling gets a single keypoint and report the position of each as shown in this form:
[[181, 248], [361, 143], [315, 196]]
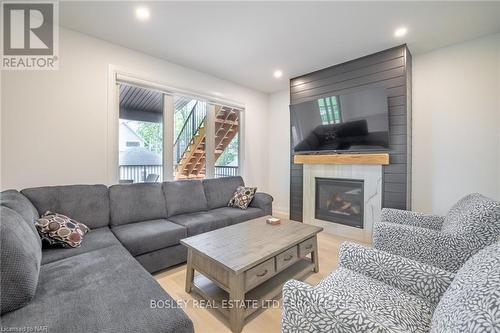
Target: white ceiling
[[245, 42]]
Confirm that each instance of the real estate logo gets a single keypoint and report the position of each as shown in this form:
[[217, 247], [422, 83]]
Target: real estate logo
[[30, 35]]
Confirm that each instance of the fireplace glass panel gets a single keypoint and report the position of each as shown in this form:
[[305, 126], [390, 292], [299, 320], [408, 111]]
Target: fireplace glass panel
[[340, 201]]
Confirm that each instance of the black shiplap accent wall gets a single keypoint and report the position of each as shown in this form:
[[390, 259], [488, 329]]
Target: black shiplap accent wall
[[390, 69]]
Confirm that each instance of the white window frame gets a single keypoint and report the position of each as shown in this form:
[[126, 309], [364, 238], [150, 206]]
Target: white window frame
[[117, 75]]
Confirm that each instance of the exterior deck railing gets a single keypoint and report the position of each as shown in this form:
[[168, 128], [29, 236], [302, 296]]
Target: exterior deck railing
[[139, 173], [225, 171]]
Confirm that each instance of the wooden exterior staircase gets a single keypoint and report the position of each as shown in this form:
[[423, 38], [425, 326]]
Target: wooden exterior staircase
[[191, 164]]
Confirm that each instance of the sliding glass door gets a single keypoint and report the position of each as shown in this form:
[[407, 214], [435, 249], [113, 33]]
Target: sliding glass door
[[140, 135], [164, 136], [227, 141], [189, 138]]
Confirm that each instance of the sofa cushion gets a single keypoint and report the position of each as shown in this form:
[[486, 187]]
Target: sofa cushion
[[94, 239], [184, 196], [88, 204], [136, 202], [220, 190], [472, 301], [242, 197], [20, 257], [197, 223], [105, 290], [20, 204], [57, 229], [237, 215], [142, 237]]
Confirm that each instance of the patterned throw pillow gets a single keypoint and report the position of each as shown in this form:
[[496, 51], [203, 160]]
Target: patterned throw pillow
[[242, 197], [58, 229]]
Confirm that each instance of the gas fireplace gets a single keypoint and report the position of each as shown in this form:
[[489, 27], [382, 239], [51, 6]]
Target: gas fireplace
[[340, 201]]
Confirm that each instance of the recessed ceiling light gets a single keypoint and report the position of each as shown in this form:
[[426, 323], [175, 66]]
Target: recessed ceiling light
[[400, 32], [142, 13], [277, 73]]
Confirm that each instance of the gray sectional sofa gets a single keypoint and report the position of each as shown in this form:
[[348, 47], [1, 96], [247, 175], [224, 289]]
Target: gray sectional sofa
[[101, 286]]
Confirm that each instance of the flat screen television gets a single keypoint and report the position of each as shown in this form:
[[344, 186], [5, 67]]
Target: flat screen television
[[355, 122]]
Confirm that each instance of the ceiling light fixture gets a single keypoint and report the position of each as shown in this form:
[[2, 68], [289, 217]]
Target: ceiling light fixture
[[400, 32], [142, 13], [277, 73]]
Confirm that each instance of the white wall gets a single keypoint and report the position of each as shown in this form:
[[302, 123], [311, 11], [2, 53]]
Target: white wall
[[279, 151], [54, 123], [456, 123]]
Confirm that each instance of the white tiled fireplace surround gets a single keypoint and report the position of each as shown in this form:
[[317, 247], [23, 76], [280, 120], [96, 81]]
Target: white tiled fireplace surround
[[372, 177]]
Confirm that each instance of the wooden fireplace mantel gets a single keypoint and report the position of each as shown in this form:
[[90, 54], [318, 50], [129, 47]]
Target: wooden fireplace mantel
[[379, 158]]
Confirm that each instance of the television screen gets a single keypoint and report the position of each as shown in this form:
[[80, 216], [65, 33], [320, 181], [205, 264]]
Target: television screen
[[354, 122]]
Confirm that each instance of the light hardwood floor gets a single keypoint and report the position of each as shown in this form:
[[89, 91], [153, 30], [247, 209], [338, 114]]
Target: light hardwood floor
[[266, 321]]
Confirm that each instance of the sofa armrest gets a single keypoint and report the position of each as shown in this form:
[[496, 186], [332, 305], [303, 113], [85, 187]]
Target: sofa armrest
[[263, 201], [446, 251], [407, 217], [424, 281]]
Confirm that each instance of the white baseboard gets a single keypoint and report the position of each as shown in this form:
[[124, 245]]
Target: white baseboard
[[281, 213]]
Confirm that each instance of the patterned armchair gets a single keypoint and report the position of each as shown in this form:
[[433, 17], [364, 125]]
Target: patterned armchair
[[375, 291], [446, 242]]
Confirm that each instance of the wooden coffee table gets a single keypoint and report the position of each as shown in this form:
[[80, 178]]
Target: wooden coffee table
[[243, 265]]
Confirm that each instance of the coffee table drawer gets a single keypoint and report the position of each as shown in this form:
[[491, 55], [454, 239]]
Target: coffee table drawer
[[306, 247], [285, 259], [258, 274]]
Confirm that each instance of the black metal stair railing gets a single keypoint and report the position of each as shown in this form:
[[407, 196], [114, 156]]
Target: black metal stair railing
[[194, 121]]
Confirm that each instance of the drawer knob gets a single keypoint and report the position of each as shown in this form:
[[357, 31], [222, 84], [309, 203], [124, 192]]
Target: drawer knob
[[288, 258], [263, 273]]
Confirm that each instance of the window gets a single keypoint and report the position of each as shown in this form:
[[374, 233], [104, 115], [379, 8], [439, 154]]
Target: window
[[329, 110], [140, 135], [227, 142], [165, 135], [192, 137], [189, 138]]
